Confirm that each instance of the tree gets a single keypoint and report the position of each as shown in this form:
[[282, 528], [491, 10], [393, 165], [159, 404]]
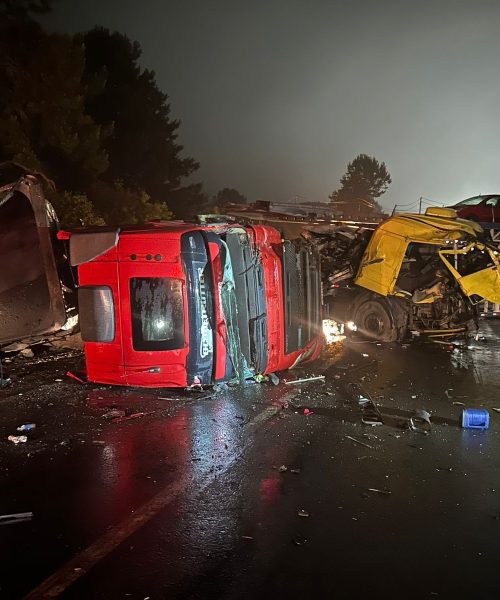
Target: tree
[[118, 205], [23, 8], [143, 149], [365, 180], [43, 124], [227, 196]]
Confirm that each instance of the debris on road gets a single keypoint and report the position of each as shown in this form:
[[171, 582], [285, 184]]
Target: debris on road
[[460, 404], [307, 411], [475, 418], [306, 379], [495, 409], [381, 492], [247, 537], [299, 541], [17, 439], [75, 377], [295, 471], [274, 379], [129, 417], [98, 443], [114, 413], [421, 422], [15, 518], [26, 427], [283, 469], [349, 437], [303, 513]]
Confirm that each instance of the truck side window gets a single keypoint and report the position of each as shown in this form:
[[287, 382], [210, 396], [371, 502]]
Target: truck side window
[[97, 313], [157, 309]]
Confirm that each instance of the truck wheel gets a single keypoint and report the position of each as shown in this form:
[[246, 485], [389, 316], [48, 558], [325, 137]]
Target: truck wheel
[[373, 320]]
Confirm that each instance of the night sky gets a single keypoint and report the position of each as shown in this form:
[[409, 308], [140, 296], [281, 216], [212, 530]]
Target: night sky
[[277, 97]]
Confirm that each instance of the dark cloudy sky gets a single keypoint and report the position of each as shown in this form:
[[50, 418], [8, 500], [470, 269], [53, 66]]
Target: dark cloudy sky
[[277, 96]]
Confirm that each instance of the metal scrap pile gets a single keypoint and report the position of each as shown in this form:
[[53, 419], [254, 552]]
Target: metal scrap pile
[[341, 253]]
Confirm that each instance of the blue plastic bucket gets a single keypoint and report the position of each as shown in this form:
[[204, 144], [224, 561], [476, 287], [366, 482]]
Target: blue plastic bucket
[[475, 418]]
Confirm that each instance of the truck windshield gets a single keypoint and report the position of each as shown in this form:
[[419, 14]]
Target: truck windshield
[[157, 313]]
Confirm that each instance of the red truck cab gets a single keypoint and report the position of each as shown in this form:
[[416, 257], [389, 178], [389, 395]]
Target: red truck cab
[[171, 304]]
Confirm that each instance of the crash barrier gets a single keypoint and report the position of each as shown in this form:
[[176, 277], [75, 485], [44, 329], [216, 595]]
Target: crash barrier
[[475, 418], [178, 304]]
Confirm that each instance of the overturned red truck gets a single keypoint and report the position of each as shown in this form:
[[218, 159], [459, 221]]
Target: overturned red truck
[[172, 304]]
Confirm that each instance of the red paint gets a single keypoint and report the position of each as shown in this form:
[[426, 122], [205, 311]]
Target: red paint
[[117, 362]]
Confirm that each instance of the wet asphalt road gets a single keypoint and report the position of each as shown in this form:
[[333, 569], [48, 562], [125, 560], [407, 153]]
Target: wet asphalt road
[[189, 500]]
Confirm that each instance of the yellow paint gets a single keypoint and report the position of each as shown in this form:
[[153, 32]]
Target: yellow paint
[[384, 255]]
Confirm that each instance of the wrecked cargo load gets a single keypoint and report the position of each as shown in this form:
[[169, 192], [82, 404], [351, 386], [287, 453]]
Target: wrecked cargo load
[[36, 288], [172, 304], [414, 273]]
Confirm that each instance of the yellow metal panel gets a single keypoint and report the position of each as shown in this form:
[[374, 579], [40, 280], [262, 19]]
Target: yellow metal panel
[[381, 262], [484, 283]]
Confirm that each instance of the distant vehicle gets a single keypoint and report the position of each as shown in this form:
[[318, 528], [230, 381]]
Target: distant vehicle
[[484, 209]]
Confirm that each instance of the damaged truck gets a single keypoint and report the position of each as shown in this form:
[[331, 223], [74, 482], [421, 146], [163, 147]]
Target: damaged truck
[[174, 304], [414, 274], [37, 290]]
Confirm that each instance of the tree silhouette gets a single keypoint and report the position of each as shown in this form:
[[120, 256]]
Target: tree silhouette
[[364, 181], [143, 149]]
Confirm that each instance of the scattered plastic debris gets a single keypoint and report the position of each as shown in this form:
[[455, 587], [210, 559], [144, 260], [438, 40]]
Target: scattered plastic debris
[[98, 443], [381, 492], [195, 386], [307, 411], [75, 377], [295, 471], [26, 427], [303, 513], [349, 437], [274, 379], [247, 537], [283, 469], [421, 422], [129, 417], [305, 379], [17, 439], [475, 418], [299, 541], [462, 404], [495, 409], [15, 518], [114, 413]]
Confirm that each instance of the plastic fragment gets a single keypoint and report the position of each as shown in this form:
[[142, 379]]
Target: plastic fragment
[[129, 417], [382, 492], [305, 379], [349, 437], [308, 412], [17, 439], [421, 422], [15, 518], [75, 377], [114, 413], [303, 513], [26, 427]]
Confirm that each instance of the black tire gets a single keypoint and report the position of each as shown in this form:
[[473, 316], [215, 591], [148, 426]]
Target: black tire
[[374, 320]]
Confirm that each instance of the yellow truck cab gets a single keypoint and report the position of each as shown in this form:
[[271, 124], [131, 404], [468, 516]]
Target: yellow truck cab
[[418, 273]]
